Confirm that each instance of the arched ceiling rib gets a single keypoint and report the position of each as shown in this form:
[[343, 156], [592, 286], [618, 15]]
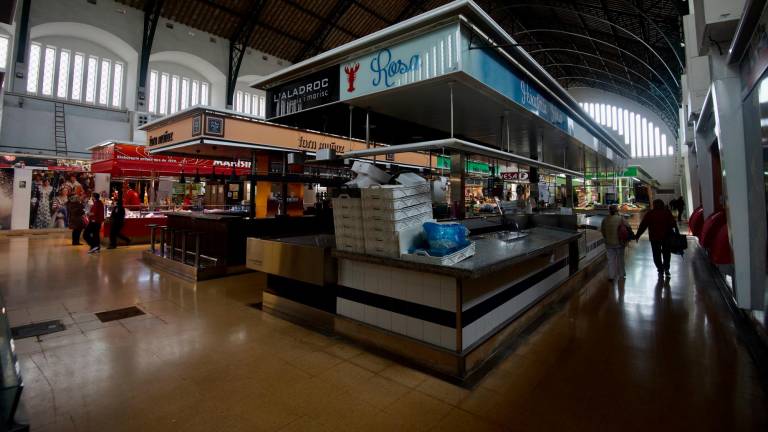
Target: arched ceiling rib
[[606, 38]]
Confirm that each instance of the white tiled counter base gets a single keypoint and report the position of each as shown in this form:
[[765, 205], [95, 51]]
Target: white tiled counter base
[[436, 294]]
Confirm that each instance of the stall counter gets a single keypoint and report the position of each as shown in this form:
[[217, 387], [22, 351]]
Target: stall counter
[[136, 229]]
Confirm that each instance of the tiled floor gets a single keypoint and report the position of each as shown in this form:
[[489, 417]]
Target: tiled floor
[[644, 356]]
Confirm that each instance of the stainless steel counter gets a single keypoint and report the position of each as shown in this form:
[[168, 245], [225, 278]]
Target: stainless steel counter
[[492, 254]]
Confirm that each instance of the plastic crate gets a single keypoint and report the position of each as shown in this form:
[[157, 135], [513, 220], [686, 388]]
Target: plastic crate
[[392, 244], [397, 214], [446, 260], [346, 202], [376, 203], [391, 192], [398, 225], [350, 244]]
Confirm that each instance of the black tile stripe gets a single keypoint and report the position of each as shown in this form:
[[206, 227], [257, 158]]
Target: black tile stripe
[[592, 246], [414, 310], [443, 317], [483, 308]]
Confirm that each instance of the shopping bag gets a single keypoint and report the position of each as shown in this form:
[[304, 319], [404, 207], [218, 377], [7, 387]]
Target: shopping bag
[[678, 243]]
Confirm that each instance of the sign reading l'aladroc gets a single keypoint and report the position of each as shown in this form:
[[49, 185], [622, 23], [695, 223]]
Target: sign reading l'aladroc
[[311, 91]]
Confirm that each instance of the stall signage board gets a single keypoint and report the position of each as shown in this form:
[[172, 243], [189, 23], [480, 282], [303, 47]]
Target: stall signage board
[[490, 69], [521, 175], [444, 162], [129, 157], [424, 57], [314, 90]]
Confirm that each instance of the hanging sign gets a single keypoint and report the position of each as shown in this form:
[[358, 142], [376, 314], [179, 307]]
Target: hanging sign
[[522, 175], [302, 94], [424, 57]]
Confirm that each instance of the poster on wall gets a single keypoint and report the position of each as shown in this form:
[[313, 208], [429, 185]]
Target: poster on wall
[[6, 197], [50, 192]]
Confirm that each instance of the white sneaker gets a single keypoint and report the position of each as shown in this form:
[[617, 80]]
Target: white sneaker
[[93, 250]]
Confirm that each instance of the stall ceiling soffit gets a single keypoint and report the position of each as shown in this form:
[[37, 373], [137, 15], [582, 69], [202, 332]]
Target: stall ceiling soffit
[[610, 41]]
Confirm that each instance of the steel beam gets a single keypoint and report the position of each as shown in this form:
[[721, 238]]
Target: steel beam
[[315, 43], [583, 53], [238, 43], [618, 77], [152, 11]]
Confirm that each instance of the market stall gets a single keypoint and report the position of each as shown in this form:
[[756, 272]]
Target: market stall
[[281, 191], [151, 186]]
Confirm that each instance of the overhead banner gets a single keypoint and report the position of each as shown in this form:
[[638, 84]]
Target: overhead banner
[[126, 159], [311, 91], [427, 56]]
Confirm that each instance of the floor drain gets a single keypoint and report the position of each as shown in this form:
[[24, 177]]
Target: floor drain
[[37, 329], [118, 314]]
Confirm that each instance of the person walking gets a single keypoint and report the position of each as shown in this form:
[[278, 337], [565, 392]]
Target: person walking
[[660, 224], [75, 213], [680, 208], [616, 234], [95, 219], [116, 226]]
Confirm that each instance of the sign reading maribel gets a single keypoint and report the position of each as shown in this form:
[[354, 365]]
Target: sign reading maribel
[[308, 92]]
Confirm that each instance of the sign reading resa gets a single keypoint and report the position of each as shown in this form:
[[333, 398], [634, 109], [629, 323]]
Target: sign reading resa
[[427, 56], [385, 70], [311, 91]]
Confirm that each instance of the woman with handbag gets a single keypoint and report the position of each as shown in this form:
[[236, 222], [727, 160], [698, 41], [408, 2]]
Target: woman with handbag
[[660, 224], [616, 234]]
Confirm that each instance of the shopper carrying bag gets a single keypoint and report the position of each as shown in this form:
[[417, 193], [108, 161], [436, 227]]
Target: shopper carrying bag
[[616, 234]]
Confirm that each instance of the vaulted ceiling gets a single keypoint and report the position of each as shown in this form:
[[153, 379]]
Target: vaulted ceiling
[[630, 47]]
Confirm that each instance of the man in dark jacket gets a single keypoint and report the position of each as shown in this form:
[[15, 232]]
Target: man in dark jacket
[[660, 224], [680, 208], [117, 220]]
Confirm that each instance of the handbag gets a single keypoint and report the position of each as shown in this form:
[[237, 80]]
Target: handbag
[[678, 243], [625, 233]]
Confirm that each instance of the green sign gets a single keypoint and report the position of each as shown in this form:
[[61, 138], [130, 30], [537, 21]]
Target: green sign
[[476, 167], [629, 172]]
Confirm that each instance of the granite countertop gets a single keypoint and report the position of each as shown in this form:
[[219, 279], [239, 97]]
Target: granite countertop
[[491, 254]]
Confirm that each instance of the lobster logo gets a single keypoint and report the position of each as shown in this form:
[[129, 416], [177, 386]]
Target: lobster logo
[[351, 71]]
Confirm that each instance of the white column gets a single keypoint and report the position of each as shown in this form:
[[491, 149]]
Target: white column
[[742, 164]]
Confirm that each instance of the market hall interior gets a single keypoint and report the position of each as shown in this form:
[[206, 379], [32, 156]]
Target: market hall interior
[[662, 353], [362, 215]]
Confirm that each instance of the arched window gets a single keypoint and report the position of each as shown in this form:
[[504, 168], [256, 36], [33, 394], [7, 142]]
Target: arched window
[[249, 101], [641, 135], [173, 88], [61, 72]]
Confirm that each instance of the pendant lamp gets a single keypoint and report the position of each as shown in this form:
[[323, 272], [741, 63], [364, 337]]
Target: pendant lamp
[[197, 176]]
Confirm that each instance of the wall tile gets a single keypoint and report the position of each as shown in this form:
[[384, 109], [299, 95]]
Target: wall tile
[[415, 328]]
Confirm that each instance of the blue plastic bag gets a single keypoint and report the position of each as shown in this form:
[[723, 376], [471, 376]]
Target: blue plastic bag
[[445, 239]]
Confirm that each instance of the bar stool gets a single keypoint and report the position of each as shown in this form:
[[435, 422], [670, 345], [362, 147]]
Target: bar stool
[[163, 236], [152, 236], [196, 261], [183, 234]]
